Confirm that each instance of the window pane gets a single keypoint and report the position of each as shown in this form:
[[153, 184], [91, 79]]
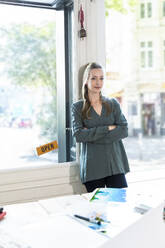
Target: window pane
[[143, 59], [142, 44], [163, 8], [150, 59], [27, 85], [142, 10], [149, 9], [149, 43]]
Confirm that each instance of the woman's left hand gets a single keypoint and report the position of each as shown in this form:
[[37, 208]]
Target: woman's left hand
[[111, 127]]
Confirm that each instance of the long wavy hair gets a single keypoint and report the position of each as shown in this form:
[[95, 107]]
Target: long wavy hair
[[87, 104]]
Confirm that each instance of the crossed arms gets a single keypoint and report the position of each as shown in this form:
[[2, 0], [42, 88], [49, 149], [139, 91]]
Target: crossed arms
[[101, 134]]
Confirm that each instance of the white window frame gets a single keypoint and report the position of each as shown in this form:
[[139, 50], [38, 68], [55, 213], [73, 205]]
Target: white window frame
[[147, 5], [146, 50]]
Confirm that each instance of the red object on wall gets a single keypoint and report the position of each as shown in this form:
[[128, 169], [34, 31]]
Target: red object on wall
[[81, 17], [2, 215], [82, 32]]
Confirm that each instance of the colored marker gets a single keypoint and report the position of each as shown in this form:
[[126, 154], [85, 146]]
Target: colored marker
[[88, 219]]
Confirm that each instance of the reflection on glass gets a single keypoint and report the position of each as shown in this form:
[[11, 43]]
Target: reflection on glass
[[133, 53]]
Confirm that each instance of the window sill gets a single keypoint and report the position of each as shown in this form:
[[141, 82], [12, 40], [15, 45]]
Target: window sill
[[34, 183]]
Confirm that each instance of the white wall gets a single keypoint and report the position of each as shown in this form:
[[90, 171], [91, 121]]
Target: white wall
[[91, 48]]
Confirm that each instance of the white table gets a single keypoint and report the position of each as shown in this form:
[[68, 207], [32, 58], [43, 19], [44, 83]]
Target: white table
[[46, 223]]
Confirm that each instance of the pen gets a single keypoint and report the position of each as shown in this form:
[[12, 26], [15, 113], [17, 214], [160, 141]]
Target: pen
[[87, 219]]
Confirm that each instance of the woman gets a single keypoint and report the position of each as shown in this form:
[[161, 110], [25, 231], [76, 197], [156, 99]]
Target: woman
[[99, 125]]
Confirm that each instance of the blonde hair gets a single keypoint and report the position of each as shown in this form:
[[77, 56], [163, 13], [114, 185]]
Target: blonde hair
[[87, 104]]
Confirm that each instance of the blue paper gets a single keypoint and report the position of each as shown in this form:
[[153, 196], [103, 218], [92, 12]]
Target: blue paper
[[110, 195]]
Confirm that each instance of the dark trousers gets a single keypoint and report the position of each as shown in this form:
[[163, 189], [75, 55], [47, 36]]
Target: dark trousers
[[114, 181]]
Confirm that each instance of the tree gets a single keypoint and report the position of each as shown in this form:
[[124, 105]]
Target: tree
[[120, 5], [28, 53]]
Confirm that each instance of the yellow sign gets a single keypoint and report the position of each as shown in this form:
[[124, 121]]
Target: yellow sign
[[47, 148]]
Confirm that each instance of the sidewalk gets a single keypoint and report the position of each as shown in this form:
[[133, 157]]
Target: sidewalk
[[145, 151], [146, 158]]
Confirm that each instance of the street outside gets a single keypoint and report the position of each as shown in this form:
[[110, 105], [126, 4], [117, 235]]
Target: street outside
[[18, 148], [148, 152], [147, 160]]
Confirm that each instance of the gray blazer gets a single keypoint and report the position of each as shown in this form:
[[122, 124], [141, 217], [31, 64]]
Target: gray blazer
[[102, 152]]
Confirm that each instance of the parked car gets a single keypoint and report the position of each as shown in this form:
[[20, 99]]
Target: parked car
[[25, 123]]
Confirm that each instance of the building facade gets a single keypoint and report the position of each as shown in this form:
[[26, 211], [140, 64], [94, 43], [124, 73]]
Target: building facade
[[150, 47], [141, 77]]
